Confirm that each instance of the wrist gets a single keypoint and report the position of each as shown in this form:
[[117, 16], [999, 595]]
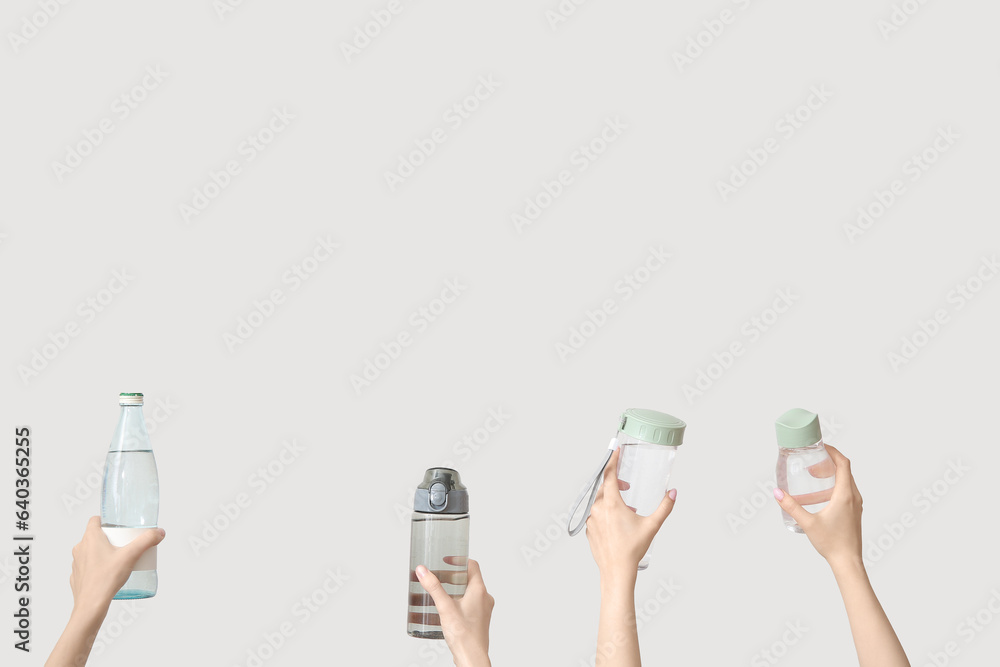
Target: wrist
[[471, 658], [86, 613], [619, 580], [847, 565]]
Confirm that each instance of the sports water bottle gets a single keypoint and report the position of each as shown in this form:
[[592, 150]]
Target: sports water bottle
[[805, 471], [130, 496], [648, 442], [439, 540]]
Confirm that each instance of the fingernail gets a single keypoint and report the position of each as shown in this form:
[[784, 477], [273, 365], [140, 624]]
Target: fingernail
[[163, 533], [778, 494], [421, 571], [672, 494]]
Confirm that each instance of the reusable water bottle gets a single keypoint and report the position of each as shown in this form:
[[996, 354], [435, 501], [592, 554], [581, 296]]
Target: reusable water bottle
[[805, 471], [439, 540], [130, 495], [648, 441]]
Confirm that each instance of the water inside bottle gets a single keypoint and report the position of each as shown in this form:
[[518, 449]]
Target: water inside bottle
[[131, 500], [807, 470], [440, 543], [643, 477]]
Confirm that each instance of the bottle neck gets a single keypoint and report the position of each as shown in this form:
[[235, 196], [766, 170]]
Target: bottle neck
[[817, 446], [131, 434]]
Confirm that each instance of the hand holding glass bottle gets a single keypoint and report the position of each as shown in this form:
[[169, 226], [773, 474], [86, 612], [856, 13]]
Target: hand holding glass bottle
[[130, 494], [99, 572]]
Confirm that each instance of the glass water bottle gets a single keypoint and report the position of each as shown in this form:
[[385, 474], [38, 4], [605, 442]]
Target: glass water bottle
[[130, 496]]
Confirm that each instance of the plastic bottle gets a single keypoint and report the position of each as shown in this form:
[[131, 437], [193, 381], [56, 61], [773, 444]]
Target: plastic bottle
[[439, 540], [805, 470], [647, 442]]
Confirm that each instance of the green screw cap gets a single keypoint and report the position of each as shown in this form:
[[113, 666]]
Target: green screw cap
[[130, 398], [654, 427], [798, 428]]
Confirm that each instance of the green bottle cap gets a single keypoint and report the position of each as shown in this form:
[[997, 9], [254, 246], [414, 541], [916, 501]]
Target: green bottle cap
[[130, 398], [798, 428], [654, 427]]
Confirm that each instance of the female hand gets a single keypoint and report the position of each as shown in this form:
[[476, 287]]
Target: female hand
[[619, 537], [100, 570], [466, 621], [835, 531]]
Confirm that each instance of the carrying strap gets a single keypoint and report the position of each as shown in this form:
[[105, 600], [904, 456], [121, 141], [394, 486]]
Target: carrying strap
[[595, 483]]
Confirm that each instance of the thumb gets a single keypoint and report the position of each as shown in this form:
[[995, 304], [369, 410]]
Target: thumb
[[150, 538], [611, 480], [444, 602], [796, 511], [662, 510]]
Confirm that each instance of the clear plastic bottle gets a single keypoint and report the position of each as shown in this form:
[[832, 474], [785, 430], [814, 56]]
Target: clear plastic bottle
[[805, 470], [647, 444], [439, 540], [130, 496]]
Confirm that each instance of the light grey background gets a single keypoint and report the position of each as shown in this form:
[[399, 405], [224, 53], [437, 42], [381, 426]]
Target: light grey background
[[341, 504]]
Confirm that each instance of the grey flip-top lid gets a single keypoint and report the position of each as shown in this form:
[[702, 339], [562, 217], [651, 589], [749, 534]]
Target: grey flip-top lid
[[441, 492]]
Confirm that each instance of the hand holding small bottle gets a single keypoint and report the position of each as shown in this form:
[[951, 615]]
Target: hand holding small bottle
[[835, 532], [465, 621]]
